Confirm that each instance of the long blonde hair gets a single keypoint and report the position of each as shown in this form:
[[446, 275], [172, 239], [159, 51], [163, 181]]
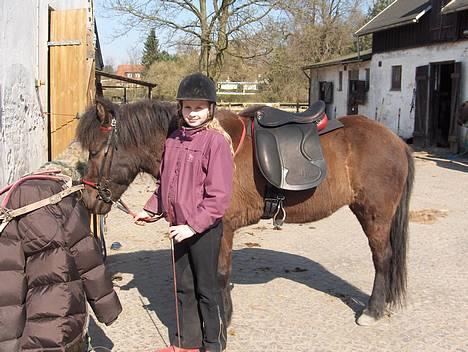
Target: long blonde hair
[[214, 124]]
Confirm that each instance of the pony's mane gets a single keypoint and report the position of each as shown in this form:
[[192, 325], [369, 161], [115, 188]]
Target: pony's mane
[[137, 125]]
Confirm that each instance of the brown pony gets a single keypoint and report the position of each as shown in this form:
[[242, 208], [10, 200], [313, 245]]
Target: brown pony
[[370, 169]]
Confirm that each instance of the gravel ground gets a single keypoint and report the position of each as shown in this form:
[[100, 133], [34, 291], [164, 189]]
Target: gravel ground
[[300, 289]]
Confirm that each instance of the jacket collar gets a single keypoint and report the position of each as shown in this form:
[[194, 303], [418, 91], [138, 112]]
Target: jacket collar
[[188, 132]]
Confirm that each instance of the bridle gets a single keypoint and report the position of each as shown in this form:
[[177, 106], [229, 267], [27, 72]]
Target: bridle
[[102, 184]]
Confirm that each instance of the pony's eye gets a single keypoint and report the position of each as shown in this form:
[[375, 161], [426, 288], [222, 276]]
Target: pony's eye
[[93, 153]]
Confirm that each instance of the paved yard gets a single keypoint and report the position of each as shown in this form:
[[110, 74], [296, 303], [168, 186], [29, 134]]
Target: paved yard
[[299, 289]]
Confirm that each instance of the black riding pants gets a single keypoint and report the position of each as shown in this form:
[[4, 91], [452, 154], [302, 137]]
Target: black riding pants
[[201, 313]]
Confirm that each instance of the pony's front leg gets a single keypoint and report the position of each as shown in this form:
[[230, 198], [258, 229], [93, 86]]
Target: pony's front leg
[[224, 271]]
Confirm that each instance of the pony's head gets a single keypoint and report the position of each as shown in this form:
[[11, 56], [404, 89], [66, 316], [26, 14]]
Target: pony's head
[[122, 141]]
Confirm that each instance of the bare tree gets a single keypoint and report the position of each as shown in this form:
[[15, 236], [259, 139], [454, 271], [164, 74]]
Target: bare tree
[[206, 25], [318, 31]]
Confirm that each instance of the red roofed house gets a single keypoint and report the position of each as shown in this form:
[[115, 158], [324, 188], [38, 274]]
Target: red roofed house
[[130, 71]]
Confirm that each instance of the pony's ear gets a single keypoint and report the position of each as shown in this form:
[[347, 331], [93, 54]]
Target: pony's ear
[[102, 113]]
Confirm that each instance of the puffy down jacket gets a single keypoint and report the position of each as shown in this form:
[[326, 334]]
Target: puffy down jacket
[[50, 265]]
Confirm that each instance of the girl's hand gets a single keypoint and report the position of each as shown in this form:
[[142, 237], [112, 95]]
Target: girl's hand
[[143, 217], [180, 232]]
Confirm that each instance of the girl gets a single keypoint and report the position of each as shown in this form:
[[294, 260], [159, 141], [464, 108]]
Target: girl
[[193, 192]]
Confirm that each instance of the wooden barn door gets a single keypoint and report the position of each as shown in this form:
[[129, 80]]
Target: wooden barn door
[[71, 67], [455, 102], [421, 112]]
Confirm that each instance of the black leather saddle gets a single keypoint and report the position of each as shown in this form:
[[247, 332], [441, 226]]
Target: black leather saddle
[[287, 146]]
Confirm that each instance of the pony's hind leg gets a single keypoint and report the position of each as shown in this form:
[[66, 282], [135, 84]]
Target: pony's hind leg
[[378, 234], [377, 230]]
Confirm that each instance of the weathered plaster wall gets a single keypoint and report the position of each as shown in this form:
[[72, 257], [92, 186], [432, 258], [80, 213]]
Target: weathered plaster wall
[[388, 104], [23, 139]]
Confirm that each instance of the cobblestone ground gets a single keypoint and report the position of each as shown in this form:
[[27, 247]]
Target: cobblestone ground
[[300, 289]]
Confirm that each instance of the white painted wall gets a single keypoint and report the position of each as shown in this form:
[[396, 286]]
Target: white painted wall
[[392, 108], [23, 60], [388, 104], [340, 98]]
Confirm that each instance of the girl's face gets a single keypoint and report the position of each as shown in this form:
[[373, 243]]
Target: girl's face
[[195, 112]]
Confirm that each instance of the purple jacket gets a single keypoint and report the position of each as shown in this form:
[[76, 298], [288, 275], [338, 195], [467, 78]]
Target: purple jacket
[[195, 182]]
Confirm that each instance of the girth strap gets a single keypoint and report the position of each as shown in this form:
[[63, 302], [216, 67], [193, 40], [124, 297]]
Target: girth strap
[[6, 215]]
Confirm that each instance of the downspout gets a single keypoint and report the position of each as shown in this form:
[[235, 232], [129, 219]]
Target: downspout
[[304, 70], [358, 47]]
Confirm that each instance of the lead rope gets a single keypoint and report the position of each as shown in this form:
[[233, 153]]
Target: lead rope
[[175, 291]]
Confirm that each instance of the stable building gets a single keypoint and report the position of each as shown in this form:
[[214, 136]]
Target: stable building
[[413, 80]]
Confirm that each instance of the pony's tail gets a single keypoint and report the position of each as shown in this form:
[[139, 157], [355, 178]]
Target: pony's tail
[[396, 291]]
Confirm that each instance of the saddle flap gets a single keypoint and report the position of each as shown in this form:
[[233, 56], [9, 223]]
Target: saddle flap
[[290, 156]]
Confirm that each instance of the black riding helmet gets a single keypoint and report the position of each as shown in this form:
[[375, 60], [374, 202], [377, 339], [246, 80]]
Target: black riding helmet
[[197, 86]]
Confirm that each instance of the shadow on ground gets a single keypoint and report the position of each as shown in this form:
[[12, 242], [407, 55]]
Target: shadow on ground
[[151, 272], [443, 158], [99, 340]]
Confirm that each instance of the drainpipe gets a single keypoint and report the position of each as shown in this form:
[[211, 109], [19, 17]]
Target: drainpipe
[[308, 77], [358, 44], [398, 123]]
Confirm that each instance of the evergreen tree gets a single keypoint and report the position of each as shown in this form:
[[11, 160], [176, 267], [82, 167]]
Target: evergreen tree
[[151, 52]]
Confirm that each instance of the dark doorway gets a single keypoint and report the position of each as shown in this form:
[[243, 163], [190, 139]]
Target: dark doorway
[[437, 90], [440, 103], [353, 106], [421, 105]]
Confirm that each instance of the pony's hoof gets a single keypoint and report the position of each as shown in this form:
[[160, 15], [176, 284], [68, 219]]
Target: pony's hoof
[[366, 319]]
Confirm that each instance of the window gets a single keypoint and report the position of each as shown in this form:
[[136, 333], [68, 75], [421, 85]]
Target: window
[[340, 81], [396, 78], [367, 79]]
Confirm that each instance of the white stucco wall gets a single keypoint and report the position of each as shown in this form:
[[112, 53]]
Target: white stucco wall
[[388, 104], [340, 98], [23, 59], [392, 108]]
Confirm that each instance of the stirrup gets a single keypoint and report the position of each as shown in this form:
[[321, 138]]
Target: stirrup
[[279, 221]]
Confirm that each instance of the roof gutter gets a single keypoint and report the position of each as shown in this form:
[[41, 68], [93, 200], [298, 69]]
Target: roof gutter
[[338, 62], [399, 24], [453, 9]]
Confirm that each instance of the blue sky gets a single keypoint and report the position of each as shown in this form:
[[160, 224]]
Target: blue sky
[[116, 51]]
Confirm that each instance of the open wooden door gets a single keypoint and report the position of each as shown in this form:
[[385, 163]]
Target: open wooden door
[[421, 112], [454, 110], [71, 80]]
